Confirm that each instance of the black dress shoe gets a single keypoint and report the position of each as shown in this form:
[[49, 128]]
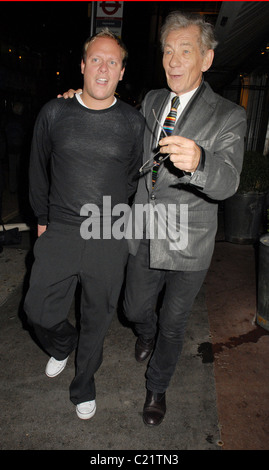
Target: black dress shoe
[[154, 408], [143, 349]]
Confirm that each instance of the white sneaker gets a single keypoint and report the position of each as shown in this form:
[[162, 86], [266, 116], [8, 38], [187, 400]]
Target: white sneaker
[[86, 410], [55, 367]]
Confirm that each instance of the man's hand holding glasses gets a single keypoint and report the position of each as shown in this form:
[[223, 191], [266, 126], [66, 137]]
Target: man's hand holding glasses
[[184, 153]]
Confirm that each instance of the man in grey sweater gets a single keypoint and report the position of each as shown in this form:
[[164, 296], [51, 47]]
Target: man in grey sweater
[[92, 146]]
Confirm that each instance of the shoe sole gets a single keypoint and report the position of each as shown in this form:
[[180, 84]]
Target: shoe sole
[[86, 415]]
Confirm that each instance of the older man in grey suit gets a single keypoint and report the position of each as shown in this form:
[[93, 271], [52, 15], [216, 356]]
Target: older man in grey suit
[[205, 160]]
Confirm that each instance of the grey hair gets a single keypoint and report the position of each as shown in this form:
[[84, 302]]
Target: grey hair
[[177, 20]]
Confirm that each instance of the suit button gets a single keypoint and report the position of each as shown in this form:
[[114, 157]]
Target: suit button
[[153, 197]]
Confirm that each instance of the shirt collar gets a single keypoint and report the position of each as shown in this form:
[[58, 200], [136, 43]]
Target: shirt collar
[[77, 95], [185, 98]]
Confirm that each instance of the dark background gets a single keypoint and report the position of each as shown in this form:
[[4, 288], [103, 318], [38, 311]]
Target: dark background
[[48, 37]]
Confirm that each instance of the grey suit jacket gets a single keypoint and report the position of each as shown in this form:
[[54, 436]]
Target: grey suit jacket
[[218, 126]]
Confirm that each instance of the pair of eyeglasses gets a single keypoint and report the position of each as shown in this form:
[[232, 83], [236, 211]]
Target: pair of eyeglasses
[[158, 157]]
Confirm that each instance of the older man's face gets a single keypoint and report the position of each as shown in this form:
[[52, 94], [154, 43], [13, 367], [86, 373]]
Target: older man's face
[[183, 61]]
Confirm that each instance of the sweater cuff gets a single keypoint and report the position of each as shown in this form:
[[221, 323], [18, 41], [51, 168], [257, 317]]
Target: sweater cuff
[[42, 220]]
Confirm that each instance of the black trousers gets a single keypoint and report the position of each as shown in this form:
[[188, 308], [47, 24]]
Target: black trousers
[[143, 286], [62, 259]]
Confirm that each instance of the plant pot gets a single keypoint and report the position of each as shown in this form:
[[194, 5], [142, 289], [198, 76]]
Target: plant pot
[[263, 280], [243, 216]]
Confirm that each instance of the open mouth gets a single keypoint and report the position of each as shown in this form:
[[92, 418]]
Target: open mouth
[[102, 81], [175, 77]]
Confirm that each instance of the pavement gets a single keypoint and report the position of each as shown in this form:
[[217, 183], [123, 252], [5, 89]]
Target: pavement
[[211, 405]]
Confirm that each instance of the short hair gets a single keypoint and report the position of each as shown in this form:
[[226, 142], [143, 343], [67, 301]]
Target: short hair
[[177, 20], [105, 33]]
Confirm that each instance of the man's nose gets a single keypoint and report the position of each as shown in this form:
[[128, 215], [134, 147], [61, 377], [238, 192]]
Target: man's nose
[[175, 60], [103, 67]]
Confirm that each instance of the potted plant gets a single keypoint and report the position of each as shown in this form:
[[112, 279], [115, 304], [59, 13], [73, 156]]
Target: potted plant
[[244, 212]]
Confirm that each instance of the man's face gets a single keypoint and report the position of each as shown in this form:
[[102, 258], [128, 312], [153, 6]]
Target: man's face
[[102, 71], [183, 61]]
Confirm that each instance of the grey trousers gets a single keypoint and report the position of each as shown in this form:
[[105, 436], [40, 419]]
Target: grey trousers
[[143, 286]]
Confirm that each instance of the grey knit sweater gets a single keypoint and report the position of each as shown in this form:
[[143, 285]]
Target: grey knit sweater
[[79, 155]]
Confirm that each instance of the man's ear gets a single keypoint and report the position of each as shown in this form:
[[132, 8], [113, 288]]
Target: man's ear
[[121, 74], [208, 59], [82, 66]]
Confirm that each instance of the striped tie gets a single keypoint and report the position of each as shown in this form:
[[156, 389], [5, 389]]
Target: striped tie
[[168, 126]]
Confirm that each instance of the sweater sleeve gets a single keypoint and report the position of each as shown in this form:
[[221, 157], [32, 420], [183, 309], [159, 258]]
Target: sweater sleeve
[[39, 163]]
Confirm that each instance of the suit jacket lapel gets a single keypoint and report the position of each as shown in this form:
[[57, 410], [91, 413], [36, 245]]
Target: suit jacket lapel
[[158, 105], [183, 118]]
